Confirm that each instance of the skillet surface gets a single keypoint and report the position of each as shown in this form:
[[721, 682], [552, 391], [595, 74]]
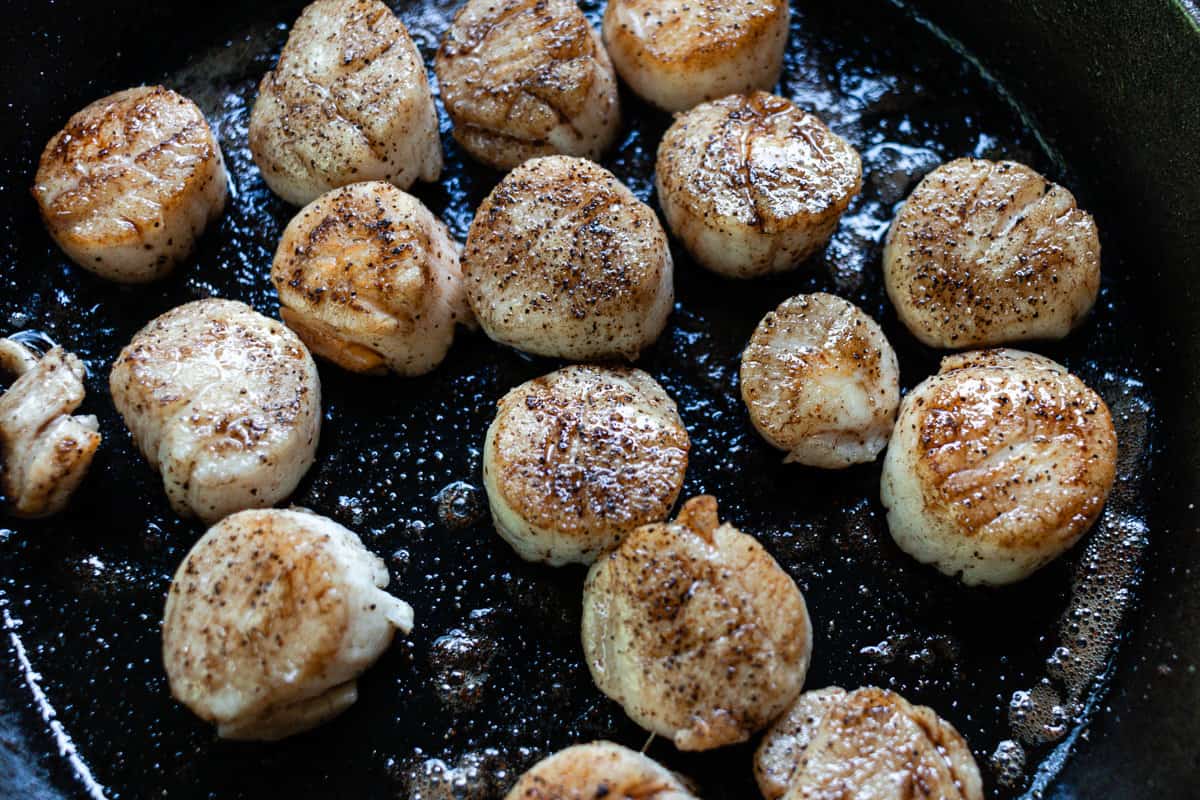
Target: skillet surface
[[492, 678]]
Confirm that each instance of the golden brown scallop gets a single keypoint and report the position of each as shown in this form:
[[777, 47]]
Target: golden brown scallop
[[752, 185], [369, 278], [598, 770], [527, 78], [821, 382], [224, 402], [695, 630], [868, 744], [577, 459], [677, 53], [128, 186], [563, 261], [46, 451], [998, 464], [986, 253], [270, 620], [348, 101]]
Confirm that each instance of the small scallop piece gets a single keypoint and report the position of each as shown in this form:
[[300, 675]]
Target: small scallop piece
[[563, 261], [577, 459], [753, 185], [46, 451], [369, 278], [678, 53], [527, 78], [986, 253], [821, 382], [695, 630], [998, 464], [348, 101], [271, 618], [128, 186], [224, 402], [598, 770], [869, 744]]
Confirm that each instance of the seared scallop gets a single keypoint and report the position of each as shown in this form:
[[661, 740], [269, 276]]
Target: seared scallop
[[270, 620], [577, 459], [985, 253], [598, 770], [562, 260], [46, 451], [869, 744], [695, 630], [677, 53], [224, 402], [527, 78], [752, 185], [130, 183], [821, 382], [369, 278], [998, 464], [348, 101]]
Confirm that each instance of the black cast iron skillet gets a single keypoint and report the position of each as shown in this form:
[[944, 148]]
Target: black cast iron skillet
[[1093, 658]]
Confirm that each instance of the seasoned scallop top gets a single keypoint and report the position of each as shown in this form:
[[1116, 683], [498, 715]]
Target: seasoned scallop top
[[370, 279], [224, 402], [688, 37], [752, 185], [985, 253], [348, 101], [868, 744], [760, 160], [526, 78], [821, 381], [130, 182], [1007, 439], [998, 464], [562, 260], [696, 630], [677, 53], [583, 456], [270, 611], [598, 771]]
